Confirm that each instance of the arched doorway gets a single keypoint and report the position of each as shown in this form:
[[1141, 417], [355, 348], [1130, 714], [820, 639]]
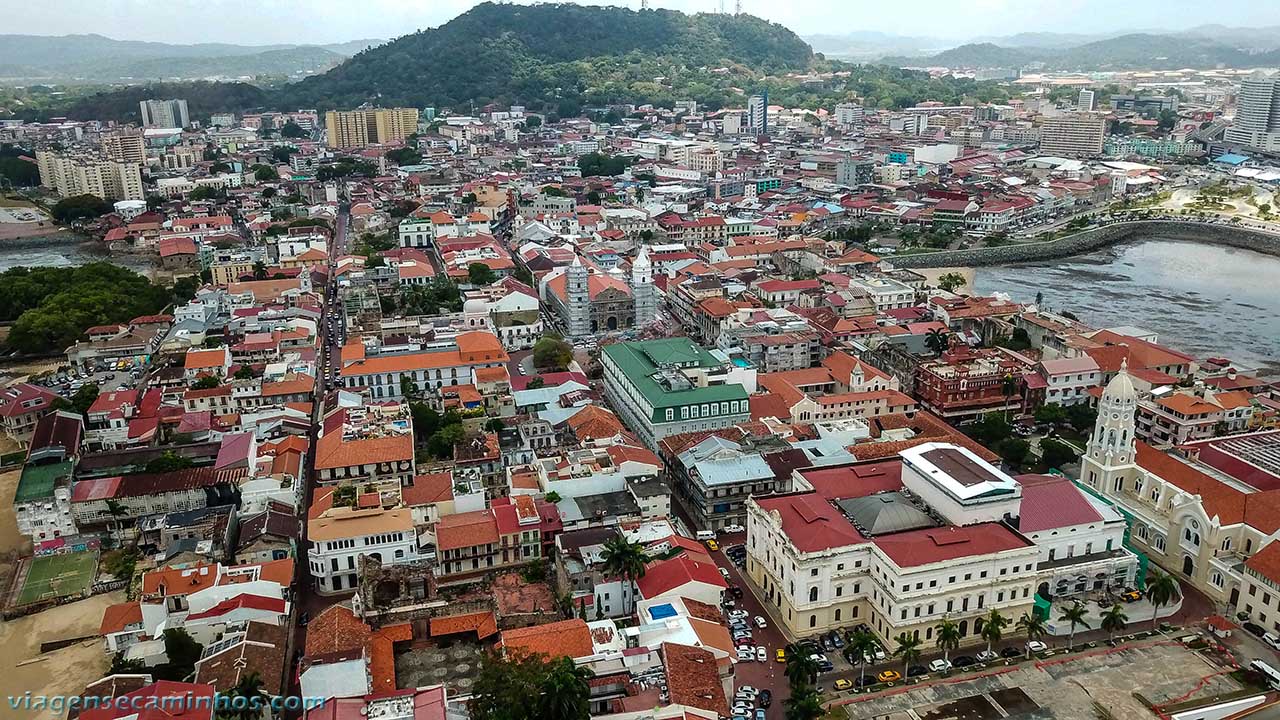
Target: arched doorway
[[964, 628], [1235, 596], [1043, 591], [1188, 566]]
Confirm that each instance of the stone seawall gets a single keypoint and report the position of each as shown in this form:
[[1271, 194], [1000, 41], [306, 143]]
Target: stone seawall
[[1083, 242]]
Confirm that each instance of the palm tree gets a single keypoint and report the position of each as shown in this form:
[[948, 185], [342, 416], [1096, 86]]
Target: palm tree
[[860, 646], [1113, 621], [993, 628], [948, 638], [1033, 625], [115, 510], [1007, 387], [249, 687], [624, 559], [1077, 615], [801, 669], [937, 340], [1161, 590], [805, 703], [565, 692], [908, 650]]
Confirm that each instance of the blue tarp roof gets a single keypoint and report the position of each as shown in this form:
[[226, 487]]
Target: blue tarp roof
[[1231, 159], [659, 612]]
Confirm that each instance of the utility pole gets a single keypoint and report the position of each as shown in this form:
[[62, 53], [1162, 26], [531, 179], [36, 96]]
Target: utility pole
[[737, 7]]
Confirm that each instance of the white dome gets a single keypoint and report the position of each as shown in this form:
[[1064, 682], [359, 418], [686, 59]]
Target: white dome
[[1120, 390], [475, 305]]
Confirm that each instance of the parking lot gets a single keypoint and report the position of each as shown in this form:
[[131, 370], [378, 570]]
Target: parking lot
[[1058, 689]]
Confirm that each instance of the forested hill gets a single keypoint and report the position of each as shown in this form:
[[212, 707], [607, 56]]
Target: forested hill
[[562, 53]]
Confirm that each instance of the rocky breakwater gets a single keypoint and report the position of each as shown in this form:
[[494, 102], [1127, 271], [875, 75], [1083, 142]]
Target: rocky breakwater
[[1087, 240]]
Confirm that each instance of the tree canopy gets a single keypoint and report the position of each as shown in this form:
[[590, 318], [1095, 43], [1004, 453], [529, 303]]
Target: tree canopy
[[552, 353], [79, 207]]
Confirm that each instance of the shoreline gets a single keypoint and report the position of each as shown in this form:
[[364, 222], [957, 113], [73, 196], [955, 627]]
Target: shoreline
[[1089, 240]]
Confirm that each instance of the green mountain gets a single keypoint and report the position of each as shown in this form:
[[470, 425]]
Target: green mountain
[[202, 99], [557, 55], [102, 59], [1125, 52]]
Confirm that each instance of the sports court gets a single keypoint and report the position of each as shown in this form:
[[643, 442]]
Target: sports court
[[53, 576]]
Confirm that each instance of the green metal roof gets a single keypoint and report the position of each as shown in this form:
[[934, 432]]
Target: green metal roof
[[643, 362], [38, 481]]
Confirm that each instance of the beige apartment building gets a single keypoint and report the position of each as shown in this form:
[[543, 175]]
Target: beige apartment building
[[85, 173], [368, 126]]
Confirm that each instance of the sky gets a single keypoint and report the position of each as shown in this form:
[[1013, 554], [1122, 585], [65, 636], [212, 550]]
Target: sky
[[258, 22]]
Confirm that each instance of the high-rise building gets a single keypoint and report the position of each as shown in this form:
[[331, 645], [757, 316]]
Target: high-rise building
[[164, 113], [125, 147], [369, 126], [758, 113], [1085, 103], [1257, 121], [1073, 135], [86, 173], [849, 114]]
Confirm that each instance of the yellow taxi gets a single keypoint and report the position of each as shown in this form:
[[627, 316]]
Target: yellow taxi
[[781, 655], [888, 676], [1131, 596], [713, 545], [843, 684]]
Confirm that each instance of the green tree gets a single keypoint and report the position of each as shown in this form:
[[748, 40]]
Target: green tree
[[1055, 453], [442, 442], [859, 647], [993, 628], [182, 652], [1162, 589], [507, 688], [801, 669], [206, 382], [1033, 626], [947, 638], [805, 703], [244, 372], [535, 383], [552, 497], [79, 207], [404, 156], [293, 130], [1114, 621], [564, 692], [1013, 451], [1051, 413], [552, 353], [250, 688], [908, 649], [280, 154], [1081, 417], [937, 340], [599, 164], [408, 388], [259, 270], [951, 281], [265, 173], [1078, 615], [1008, 387], [494, 425], [80, 400], [480, 274], [533, 122], [169, 461], [624, 559]]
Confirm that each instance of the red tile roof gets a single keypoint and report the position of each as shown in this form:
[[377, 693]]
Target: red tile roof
[[810, 522], [567, 638], [1049, 502], [935, 545], [664, 576]]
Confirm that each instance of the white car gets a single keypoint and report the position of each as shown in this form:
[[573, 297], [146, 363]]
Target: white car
[[738, 614], [1272, 640], [748, 691], [762, 654], [760, 622], [743, 708], [939, 665], [745, 653], [724, 573], [1035, 646], [732, 529]]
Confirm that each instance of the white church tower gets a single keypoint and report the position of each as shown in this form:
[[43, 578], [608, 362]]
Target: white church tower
[[577, 300], [642, 290], [1109, 455]]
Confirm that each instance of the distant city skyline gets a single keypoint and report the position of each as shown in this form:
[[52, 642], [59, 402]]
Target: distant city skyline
[[263, 22]]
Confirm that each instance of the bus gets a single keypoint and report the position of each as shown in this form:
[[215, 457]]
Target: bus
[[1271, 674]]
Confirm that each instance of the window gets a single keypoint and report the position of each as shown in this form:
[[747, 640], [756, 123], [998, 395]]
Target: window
[[837, 614], [813, 572], [813, 621], [813, 594], [1216, 579]]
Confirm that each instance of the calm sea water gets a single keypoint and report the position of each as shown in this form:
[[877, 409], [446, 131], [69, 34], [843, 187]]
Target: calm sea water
[[1205, 300]]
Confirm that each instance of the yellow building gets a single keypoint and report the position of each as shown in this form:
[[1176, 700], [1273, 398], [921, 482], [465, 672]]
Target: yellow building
[[368, 126], [87, 173]]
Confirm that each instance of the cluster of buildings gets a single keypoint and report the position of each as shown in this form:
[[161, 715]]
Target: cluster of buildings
[[354, 409]]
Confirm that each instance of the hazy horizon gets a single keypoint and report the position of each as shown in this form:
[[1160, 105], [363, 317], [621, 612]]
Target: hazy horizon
[[273, 22]]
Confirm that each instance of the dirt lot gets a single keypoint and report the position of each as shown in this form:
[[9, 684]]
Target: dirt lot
[[11, 543], [1057, 691], [61, 672]]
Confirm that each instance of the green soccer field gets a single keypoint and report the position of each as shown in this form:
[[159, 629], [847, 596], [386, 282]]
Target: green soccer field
[[55, 576]]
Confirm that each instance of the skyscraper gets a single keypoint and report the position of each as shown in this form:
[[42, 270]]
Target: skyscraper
[[1085, 103], [758, 113], [1257, 121], [164, 113], [1073, 135]]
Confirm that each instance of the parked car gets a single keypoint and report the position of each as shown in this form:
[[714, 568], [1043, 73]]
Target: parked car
[[1254, 628], [739, 614], [724, 573], [964, 661], [760, 714], [1010, 652], [843, 684], [736, 592], [987, 656], [765, 698], [748, 691], [885, 676], [745, 653], [1035, 646], [780, 655], [761, 623], [1131, 596], [939, 665], [1272, 640], [917, 671], [836, 639], [732, 529], [762, 654]]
